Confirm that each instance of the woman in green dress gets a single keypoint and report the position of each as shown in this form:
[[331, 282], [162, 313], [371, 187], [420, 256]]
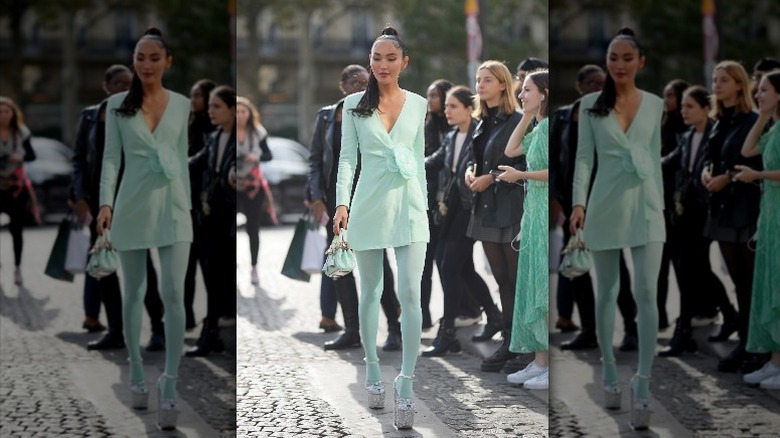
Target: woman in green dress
[[532, 288], [764, 324]]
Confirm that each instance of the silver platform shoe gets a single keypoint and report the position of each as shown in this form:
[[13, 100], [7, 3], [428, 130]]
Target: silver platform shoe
[[640, 407], [404, 407], [167, 414], [375, 390], [140, 395], [612, 391]]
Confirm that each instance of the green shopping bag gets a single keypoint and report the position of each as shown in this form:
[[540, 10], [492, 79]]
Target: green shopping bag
[[55, 267], [292, 264]]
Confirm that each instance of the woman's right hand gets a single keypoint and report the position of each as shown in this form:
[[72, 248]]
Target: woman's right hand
[[577, 219], [706, 176], [469, 177], [340, 219], [104, 219]]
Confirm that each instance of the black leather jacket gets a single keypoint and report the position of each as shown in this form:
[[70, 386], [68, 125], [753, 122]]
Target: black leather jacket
[[322, 159], [737, 205], [561, 156], [441, 161], [688, 189], [501, 204], [88, 157], [216, 188]]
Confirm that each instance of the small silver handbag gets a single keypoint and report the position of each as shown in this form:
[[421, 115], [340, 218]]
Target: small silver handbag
[[339, 258], [576, 257]]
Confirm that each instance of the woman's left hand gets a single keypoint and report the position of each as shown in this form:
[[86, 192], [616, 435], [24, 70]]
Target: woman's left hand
[[746, 174], [718, 183], [510, 174]]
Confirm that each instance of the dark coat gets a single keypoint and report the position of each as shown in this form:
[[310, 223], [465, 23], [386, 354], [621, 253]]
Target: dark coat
[[441, 162], [216, 188]]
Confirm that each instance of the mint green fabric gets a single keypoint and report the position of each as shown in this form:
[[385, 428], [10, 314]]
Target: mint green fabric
[[388, 209], [532, 288], [152, 207], [764, 324], [625, 207]]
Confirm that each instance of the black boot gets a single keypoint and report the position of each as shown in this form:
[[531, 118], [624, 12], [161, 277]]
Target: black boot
[[393, 341], [109, 341], [733, 362], [208, 341], [583, 341], [495, 322], [681, 342], [446, 340], [348, 299], [497, 360], [728, 327]]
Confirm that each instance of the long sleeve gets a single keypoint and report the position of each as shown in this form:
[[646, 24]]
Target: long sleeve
[[655, 149], [419, 150], [583, 164], [112, 156], [316, 159], [347, 156], [80, 159]]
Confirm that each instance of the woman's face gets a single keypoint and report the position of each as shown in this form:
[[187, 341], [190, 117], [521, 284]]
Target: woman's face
[[455, 111], [767, 96], [197, 100], [489, 88], [692, 112], [593, 82], [530, 96], [434, 101], [356, 83], [242, 115], [119, 82], [623, 62], [219, 112], [387, 61], [670, 100], [150, 61], [6, 115], [724, 86]]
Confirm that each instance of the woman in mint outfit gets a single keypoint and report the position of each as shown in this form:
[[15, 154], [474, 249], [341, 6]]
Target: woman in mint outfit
[[148, 126], [764, 324], [385, 123], [622, 124], [532, 288]]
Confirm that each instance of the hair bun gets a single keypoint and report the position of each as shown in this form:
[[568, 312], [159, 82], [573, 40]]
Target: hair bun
[[625, 31], [153, 31], [389, 30]]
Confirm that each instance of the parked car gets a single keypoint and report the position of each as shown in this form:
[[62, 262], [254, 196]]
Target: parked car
[[287, 174], [50, 175]]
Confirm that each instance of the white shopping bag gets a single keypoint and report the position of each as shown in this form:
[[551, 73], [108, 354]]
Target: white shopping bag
[[314, 249], [78, 249], [556, 247]]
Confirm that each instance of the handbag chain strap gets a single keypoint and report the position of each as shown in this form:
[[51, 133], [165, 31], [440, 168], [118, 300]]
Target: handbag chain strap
[[337, 244]]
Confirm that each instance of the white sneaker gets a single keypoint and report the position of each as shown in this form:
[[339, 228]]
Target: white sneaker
[[704, 322], [531, 371], [18, 276], [255, 277], [540, 382], [756, 377], [467, 321], [771, 383]]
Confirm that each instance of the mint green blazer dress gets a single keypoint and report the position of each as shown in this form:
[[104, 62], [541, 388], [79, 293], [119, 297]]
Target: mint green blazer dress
[[625, 208], [152, 207], [388, 209]]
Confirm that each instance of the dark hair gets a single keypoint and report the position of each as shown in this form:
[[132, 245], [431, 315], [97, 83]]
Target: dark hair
[[587, 70], [774, 79], [350, 71], [114, 70], [135, 96], [532, 63], [206, 86], [436, 124], [464, 95], [767, 64], [441, 86], [700, 94], [606, 100], [370, 100], [541, 79], [226, 94]]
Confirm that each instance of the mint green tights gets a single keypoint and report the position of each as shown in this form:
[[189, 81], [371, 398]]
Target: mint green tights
[[411, 260], [173, 267], [647, 264]]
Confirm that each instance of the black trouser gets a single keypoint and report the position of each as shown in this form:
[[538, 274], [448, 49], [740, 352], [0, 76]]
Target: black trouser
[[663, 274], [197, 255], [503, 264], [584, 297], [220, 242], [739, 261], [426, 285], [252, 209], [458, 276], [16, 210]]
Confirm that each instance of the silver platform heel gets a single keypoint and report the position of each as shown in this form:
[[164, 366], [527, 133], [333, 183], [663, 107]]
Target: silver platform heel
[[640, 407], [612, 392], [140, 395], [167, 414], [375, 390], [404, 407]]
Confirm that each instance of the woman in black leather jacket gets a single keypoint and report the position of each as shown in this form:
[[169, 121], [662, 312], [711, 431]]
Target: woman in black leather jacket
[[733, 205], [452, 211], [498, 206]]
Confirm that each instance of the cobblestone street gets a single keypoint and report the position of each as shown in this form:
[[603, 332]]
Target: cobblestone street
[[51, 386], [288, 386]]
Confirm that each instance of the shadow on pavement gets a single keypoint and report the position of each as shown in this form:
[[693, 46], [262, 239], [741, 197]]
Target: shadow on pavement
[[26, 311]]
